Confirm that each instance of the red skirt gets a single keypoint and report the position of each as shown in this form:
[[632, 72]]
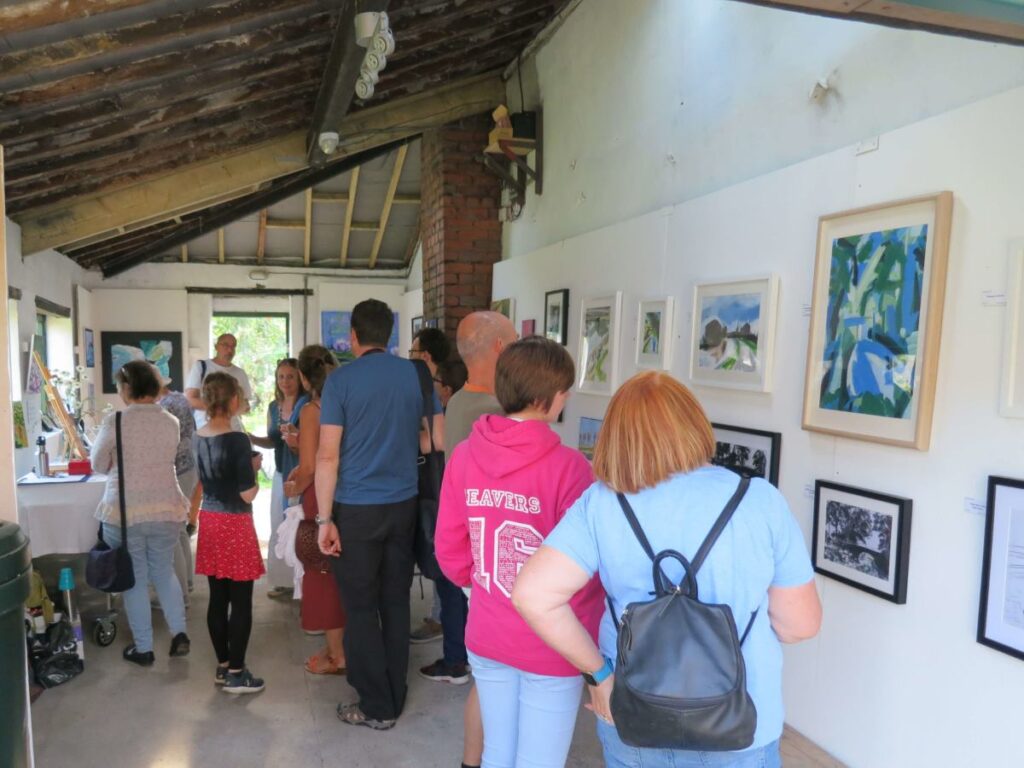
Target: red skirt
[[227, 547], [321, 601]]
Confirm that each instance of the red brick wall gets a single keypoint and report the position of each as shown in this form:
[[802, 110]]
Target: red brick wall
[[459, 224]]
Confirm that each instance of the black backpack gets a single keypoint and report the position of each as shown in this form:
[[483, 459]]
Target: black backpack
[[680, 680]]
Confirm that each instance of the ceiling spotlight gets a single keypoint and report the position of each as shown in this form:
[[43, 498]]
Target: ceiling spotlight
[[364, 86], [374, 61], [328, 141]]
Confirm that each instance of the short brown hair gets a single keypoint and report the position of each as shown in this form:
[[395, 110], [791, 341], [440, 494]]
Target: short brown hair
[[654, 428], [530, 372], [218, 389], [139, 378]]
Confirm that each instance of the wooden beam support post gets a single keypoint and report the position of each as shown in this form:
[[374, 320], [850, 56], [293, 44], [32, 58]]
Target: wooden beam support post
[[220, 245], [389, 200], [184, 254], [261, 237], [307, 244], [353, 186]]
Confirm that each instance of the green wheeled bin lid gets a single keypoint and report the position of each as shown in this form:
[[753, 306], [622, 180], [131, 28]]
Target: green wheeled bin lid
[[15, 557]]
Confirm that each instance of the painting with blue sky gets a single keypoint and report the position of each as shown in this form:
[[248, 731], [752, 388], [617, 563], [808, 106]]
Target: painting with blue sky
[[729, 329], [334, 334]]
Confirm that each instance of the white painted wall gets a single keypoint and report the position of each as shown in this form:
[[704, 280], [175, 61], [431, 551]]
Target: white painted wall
[[883, 685], [652, 102]]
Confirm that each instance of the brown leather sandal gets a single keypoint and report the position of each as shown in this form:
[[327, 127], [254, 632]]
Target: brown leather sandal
[[323, 665]]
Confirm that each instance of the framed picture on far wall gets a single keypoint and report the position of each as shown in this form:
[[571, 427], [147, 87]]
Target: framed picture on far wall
[[529, 328], [589, 428], [598, 356], [334, 334], [734, 333], [748, 452], [876, 321], [417, 324], [556, 316], [654, 334], [506, 307], [862, 538], [90, 348], [161, 348], [1001, 611]]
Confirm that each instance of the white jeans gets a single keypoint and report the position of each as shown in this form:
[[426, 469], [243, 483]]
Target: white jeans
[[279, 573]]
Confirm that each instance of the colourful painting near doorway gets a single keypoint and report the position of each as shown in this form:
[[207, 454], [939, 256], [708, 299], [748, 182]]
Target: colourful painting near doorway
[[334, 334]]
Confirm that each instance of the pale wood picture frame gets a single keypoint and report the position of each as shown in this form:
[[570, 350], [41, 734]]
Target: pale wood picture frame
[[860, 382], [1011, 401], [597, 362], [655, 333]]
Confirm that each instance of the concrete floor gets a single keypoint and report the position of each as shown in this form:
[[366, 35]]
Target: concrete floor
[[171, 715]]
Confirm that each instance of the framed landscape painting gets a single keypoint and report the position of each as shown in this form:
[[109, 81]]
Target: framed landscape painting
[[589, 429], [599, 341], [334, 334], [654, 329], [162, 348], [876, 321], [733, 333], [862, 538], [1001, 612], [506, 307], [556, 316], [748, 452]]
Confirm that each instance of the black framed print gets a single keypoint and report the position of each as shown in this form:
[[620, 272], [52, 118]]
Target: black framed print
[[417, 324], [862, 538], [161, 348], [1001, 611], [748, 452], [556, 316]]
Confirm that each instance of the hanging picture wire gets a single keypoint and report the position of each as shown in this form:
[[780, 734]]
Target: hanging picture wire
[[60, 412]]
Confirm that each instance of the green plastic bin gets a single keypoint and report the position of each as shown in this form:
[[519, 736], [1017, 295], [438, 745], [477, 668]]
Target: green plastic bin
[[15, 573]]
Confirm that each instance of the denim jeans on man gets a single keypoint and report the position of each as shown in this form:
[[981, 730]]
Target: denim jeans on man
[[528, 719], [454, 611], [151, 546], [619, 755]]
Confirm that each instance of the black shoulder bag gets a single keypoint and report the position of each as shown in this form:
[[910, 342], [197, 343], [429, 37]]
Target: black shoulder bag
[[431, 469], [111, 570], [680, 680]]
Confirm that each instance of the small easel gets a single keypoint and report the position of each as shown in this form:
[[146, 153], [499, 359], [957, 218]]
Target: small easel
[[59, 409]]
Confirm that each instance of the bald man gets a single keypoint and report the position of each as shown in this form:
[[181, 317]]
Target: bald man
[[481, 338], [225, 348]]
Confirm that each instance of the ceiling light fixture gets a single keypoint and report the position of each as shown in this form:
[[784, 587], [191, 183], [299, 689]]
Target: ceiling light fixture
[[373, 32]]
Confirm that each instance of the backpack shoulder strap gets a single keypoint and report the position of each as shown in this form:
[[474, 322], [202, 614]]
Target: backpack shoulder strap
[[635, 525], [720, 523], [427, 390], [202, 372], [120, 478]]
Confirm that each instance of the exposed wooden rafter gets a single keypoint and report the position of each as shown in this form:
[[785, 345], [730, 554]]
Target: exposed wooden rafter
[[261, 237], [389, 200], [353, 187], [20, 17], [220, 245], [307, 243]]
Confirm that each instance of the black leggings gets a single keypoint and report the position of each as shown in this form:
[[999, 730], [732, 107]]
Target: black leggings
[[229, 619]]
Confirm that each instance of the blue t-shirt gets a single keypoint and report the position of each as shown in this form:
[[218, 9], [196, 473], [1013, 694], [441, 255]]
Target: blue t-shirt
[[761, 547], [285, 460], [376, 400]]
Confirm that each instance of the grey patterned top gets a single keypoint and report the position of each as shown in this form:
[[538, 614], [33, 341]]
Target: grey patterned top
[[176, 404]]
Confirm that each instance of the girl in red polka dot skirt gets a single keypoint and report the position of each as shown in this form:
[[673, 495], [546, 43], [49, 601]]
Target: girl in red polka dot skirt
[[227, 551]]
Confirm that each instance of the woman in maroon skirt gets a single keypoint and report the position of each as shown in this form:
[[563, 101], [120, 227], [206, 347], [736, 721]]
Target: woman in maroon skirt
[[321, 602], [227, 551]]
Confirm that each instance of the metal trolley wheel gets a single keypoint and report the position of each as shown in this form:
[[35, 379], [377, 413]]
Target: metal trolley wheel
[[104, 631]]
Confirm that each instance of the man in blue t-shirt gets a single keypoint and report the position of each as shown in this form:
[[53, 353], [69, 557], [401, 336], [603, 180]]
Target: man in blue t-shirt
[[366, 474]]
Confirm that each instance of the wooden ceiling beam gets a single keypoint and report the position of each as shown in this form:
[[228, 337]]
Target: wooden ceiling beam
[[92, 215], [286, 223], [406, 200], [119, 46], [353, 187], [220, 245], [186, 69], [389, 200], [337, 89], [20, 17], [330, 197], [184, 254]]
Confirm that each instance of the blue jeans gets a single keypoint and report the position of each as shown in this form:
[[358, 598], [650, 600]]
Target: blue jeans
[[454, 612], [151, 546], [528, 719], [619, 755]]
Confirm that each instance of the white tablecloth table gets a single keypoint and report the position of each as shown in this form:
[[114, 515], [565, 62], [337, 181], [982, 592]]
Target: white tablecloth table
[[59, 519]]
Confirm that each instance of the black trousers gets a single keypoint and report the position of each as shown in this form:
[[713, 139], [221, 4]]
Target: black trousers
[[229, 619], [374, 574]]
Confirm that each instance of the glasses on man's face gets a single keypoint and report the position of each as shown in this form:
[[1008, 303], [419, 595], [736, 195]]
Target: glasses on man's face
[[438, 381], [414, 351]]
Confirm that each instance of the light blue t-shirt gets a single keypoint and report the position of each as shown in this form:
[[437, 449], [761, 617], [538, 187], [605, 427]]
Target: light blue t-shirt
[[376, 399], [761, 547]]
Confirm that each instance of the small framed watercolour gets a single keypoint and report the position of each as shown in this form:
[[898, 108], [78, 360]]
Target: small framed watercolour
[[589, 428], [506, 307], [528, 328], [748, 452], [90, 348], [599, 341], [556, 316], [734, 333], [654, 334], [862, 538], [1001, 614], [1012, 400], [417, 324], [876, 320]]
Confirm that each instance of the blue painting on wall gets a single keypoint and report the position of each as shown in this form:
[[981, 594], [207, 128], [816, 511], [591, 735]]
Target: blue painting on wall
[[334, 334]]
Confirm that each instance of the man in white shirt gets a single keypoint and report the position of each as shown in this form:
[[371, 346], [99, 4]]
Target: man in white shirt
[[225, 348]]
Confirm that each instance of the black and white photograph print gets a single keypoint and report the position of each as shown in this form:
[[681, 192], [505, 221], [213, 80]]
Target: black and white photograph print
[[1001, 612], [748, 452], [862, 538]]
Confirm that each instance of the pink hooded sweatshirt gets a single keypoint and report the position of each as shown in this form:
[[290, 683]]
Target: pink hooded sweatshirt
[[505, 488]]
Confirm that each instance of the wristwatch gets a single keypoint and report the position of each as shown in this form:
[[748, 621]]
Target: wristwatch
[[322, 520], [596, 678]]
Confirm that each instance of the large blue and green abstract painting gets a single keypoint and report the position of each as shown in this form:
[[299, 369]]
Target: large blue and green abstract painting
[[874, 322]]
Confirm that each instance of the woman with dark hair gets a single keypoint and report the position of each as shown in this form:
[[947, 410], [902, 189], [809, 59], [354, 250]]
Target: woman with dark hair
[[321, 603], [154, 506], [654, 451], [282, 419], [228, 552]]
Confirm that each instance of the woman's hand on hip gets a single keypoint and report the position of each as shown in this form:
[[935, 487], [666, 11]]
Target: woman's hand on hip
[[601, 699]]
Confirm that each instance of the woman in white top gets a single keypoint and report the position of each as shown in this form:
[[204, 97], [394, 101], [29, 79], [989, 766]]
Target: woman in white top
[[155, 507]]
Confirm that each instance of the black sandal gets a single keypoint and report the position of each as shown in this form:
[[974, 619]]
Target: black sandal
[[353, 715]]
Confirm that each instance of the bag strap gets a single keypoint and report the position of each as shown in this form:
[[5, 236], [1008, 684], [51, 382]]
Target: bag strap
[[719, 526], [120, 480], [427, 390], [202, 372]]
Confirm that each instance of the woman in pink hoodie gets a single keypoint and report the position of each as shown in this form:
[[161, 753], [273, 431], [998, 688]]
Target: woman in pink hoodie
[[504, 490]]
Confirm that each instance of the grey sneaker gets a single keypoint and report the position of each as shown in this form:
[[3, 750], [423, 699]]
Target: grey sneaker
[[243, 682], [427, 631], [442, 672]]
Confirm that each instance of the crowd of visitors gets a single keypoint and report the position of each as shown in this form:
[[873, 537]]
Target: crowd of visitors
[[541, 553]]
